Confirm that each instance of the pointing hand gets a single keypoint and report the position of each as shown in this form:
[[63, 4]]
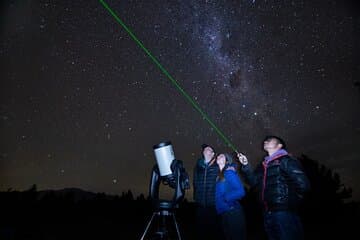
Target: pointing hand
[[242, 159]]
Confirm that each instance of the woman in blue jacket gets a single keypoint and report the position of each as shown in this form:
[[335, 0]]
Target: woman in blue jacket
[[229, 190]]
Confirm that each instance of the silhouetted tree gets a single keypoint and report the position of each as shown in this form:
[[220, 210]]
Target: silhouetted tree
[[100, 196], [141, 197], [33, 188], [357, 85], [325, 211], [325, 184], [128, 196]]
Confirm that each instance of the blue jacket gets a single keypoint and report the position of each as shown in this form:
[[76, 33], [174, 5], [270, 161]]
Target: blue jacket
[[228, 192]]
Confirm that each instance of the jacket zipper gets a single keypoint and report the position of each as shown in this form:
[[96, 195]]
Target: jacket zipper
[[206, 167], [265, 165], [264, 185]]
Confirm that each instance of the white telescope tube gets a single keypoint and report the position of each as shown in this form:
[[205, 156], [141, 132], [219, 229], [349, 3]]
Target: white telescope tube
[[164, 155]]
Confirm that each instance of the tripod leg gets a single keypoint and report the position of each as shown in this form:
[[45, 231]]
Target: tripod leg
[[147, 227], [177, 228]]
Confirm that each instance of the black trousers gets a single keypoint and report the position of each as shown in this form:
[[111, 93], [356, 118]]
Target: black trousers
[[283, 225], [208, 224], [233, 223]]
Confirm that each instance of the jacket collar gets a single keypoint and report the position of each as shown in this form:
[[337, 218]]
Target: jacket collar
[[275, 155]]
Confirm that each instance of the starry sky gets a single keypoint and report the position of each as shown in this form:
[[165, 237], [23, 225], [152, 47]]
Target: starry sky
[[81, 104]]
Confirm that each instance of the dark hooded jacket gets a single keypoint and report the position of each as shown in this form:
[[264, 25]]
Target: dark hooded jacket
[[204, 182]]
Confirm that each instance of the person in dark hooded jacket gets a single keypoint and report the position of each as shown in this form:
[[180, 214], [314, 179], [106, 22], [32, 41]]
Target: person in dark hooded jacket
[[204, 180]]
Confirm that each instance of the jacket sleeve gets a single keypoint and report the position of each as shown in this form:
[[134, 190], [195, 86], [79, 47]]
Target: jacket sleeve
[[236, 187], [250, 176], [297, 177]]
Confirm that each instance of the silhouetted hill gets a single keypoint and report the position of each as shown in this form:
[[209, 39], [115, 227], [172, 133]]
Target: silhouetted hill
[[76, 193]]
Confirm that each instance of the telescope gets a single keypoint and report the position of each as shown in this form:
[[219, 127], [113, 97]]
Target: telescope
[[169, 171]]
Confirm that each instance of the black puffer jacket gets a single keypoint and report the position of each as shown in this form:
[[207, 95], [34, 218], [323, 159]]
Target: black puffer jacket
[[281, 183], [204, 182]]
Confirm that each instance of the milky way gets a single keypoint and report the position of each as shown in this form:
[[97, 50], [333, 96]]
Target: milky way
[[82, 104]]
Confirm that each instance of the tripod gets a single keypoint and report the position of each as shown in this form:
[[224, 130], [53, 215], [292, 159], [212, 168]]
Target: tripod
[[164, 212], [178, 180]]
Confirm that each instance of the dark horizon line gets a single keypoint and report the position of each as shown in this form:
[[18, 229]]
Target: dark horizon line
[[73, 189]]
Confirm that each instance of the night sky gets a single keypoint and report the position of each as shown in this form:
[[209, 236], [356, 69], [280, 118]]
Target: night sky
[[81, 104]]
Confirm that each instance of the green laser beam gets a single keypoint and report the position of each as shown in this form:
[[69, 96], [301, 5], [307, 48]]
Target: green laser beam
[[173, 81]]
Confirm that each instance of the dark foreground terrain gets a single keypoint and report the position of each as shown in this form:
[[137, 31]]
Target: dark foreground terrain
[[328, 212], [63, 215]]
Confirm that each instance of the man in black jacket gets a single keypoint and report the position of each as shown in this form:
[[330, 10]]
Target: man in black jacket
[[281, 184], [205, 173]]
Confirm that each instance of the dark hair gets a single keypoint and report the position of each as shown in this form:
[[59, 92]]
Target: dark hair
[[278, 139], [229, 158], [228, 163], [204, 145]]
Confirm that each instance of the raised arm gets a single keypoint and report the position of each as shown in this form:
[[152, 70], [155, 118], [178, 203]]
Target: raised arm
[[248, 173]]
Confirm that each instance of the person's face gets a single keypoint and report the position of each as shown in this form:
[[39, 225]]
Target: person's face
[[271, 145], [221, 160], [208, 153]]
